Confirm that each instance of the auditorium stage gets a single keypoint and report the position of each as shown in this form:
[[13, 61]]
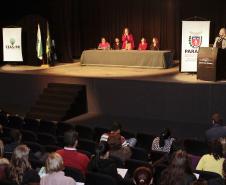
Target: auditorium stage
[[150, 98]]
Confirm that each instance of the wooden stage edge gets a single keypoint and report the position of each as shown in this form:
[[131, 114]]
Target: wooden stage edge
[[172, 75]]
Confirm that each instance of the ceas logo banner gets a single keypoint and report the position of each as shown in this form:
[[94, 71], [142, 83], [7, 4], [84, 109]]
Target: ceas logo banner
[[12, 45]]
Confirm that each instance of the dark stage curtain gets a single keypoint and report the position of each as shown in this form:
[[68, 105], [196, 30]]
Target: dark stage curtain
[[84, 22], [79, 24], [144, 18]]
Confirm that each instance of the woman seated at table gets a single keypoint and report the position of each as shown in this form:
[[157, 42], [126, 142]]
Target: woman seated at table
[[143, 44], [103, 45], [127, 40], [117, 44], [155, 44]]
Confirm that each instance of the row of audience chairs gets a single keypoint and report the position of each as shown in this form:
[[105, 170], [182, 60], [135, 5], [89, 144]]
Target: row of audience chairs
[[47, 136], [51, 133]]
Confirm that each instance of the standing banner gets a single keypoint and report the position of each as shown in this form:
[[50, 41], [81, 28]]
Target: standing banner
[[195, 34], [12, 48]]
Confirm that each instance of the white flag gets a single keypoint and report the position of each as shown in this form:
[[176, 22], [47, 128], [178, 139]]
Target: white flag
[[39, 48]]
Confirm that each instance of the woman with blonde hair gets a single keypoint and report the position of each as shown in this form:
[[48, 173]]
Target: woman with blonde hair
[[2, 159], [220, 41], [55, 175], [19, 164], [4, 163]]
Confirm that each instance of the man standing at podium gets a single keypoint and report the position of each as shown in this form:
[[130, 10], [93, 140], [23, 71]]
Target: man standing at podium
[[220, 41]]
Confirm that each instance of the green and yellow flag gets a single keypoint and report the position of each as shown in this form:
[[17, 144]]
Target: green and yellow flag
[[39, 48]]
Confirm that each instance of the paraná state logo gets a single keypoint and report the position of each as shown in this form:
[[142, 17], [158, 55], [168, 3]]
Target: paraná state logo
[[195, 41]]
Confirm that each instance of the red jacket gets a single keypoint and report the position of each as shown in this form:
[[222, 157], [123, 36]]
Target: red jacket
[[74, 159], [127, 39], [105, 45]]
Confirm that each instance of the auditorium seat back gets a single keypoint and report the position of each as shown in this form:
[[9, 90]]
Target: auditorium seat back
[[99, 179], [74, 173]]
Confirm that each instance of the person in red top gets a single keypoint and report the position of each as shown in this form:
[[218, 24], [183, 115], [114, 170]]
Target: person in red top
[[143, 44], [103, 44], [71, 157], [127, 40]]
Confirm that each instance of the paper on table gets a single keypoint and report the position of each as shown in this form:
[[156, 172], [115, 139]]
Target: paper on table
[[42, 172], [80, 183], [196, 175], [122, 171]]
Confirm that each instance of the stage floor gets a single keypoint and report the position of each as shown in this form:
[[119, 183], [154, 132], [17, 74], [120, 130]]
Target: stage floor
[[128, 73], [152, 98]]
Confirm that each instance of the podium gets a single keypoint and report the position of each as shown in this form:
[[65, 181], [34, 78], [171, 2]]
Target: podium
[[211, 64]]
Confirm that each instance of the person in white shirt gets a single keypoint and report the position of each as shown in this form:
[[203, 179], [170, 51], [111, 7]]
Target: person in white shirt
[[220, 41]]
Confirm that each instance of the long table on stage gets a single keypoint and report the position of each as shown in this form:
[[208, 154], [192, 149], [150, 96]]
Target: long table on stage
[[132, 58]]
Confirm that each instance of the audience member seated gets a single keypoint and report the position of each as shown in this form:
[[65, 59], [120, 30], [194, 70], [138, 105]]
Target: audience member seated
[[31, 178], [1, 131], [219, 181], [16, 138], [116, 129], [223, 143], [19, 164], [143, 45], [163, 142], [103, 44], [217, 129], [143, 176], [116, 149], [101, 163], [167, 158], [54, 172], [72, 158], [155, 44], [4, 163], [117, 44], [179, 171], [212, 162]]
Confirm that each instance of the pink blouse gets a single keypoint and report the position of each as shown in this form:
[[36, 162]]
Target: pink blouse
[[143, 46], [105, 45], [57, 178]]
